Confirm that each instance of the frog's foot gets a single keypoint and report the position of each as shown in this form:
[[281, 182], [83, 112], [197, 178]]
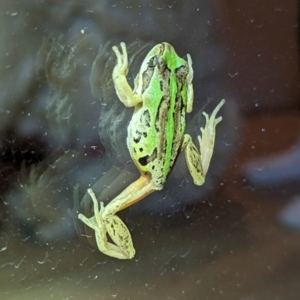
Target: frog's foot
[[121, 67], [207, 140], [104, 223]]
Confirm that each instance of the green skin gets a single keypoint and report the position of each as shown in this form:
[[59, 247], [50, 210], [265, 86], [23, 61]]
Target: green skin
[[162, 95]]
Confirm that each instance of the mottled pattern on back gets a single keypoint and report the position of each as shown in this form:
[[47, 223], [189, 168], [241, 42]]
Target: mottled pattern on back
[[156, 130]]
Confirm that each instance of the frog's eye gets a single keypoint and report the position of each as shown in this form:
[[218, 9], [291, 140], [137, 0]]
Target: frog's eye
[[158, 62], [152, 62]]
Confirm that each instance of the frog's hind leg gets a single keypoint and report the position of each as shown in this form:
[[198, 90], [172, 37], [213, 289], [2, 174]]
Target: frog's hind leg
[[115, 227], [134, 193], [105, 221], [198, 161]]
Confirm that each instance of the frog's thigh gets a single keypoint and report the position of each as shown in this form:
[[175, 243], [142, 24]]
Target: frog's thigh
[[193, 160], [135, 192], [120, 235]]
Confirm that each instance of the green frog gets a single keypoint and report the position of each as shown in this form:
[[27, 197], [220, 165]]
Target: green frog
[[162, 95]]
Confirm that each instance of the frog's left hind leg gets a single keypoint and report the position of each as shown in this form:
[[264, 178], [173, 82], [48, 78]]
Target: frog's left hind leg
[[105, 221]]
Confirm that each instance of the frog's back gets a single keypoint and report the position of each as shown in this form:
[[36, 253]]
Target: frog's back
[[156, 129]]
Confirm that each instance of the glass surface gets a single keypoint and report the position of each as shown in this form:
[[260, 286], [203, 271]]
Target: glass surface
[[64, 130]]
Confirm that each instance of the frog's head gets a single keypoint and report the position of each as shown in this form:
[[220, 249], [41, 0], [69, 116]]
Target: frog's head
[[160, 50], [155, 62], [158, 56]]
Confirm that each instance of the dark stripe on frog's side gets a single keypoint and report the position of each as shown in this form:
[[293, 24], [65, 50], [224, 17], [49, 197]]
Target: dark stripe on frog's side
[[164, 122], [179, 106], [138, 134], [178, 128], [146, 77]]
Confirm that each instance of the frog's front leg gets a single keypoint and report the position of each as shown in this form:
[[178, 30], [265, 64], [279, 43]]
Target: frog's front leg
[[105, 222], [198, 162], [123, 89]]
